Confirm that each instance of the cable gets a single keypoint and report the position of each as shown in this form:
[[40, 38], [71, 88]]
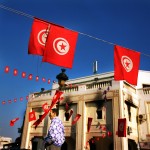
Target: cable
[[32, 17], [16, 11]]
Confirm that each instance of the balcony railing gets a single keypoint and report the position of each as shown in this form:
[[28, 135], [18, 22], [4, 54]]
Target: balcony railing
[[99, 85], [146, 90], [75, 88], [41, 94]]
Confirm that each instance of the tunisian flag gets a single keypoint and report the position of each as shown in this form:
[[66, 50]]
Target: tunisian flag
[[60, 47], [32, 116], [38, 36], [126, 64], [45, 107], [122, 127], [12, 122]]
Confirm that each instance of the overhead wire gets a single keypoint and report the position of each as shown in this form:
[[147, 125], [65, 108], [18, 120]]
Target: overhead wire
[[16, 11], [32, 17]]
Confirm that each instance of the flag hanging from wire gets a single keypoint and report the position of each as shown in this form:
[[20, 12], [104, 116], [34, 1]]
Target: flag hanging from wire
[[38, 36], [126, 64], [60, 46]]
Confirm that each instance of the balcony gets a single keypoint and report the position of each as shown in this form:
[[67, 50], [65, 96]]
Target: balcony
[[146, 90]]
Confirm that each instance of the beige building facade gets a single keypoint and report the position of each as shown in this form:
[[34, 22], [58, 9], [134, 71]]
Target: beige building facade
[[4, 140], [105, 101]]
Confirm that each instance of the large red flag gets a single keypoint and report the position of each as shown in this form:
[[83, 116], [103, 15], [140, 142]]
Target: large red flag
[[56, 98], [54, 101], [122, 127], [126, 64], [60, 46], [38, 36]]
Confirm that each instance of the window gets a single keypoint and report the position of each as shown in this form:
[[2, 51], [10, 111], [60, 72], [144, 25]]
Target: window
[[67, 116], [146, 85], [99, 113], [129, 112]]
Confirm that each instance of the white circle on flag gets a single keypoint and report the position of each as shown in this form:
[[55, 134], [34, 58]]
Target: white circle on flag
[[41, 37], [127, 63], [46, 107], [61, 46]]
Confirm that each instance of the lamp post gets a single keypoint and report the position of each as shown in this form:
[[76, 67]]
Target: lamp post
[[62, 78]]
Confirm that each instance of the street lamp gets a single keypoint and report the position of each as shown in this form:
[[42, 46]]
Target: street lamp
[[62, 78]]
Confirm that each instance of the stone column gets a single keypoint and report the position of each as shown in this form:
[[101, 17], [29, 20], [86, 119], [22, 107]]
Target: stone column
[[80, 130]]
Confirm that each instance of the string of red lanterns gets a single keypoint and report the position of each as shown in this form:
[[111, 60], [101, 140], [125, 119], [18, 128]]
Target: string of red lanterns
[[24, 75], [14, 100]]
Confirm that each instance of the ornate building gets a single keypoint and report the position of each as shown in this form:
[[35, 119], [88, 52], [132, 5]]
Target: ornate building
[[105, 101]]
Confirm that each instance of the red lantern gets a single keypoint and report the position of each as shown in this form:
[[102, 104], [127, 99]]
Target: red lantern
[[7, 69], [43, 79], [49, 81], [21, 98], [3, 102], [27, 97], [15, 72], [37, 78], [9, 101], [30, 77], [15, 100], [23, 74]]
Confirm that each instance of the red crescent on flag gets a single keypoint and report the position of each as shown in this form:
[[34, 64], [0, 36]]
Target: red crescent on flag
[[58, 42]]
